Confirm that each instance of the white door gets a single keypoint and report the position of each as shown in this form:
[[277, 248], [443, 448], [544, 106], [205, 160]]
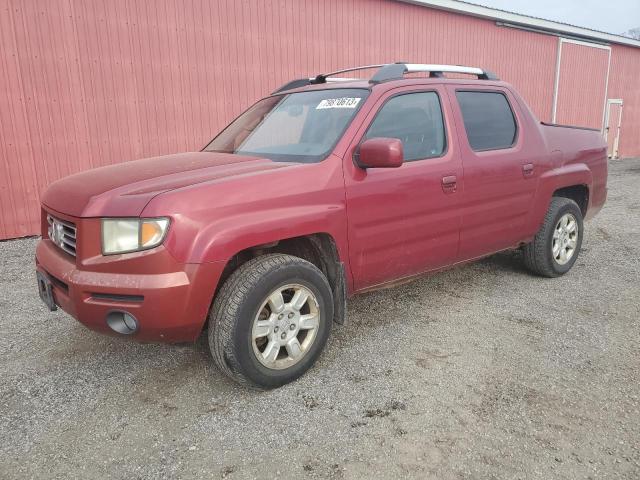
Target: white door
[[612, 126]]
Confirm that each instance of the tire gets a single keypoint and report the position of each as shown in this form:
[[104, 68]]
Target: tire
[[244, 309], [540, 256]]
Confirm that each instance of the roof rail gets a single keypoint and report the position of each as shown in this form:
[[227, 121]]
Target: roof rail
[[390, 71], [395, 71], [322, 78]]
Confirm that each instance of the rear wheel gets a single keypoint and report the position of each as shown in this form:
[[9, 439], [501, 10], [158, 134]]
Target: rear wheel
[[270, 320], [555, 247]]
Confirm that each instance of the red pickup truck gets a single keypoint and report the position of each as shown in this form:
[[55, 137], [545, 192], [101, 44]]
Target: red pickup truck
[[324, 189]]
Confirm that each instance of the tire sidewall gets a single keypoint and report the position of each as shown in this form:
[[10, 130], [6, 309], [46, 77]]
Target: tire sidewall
[[306, 276], [572, 208]]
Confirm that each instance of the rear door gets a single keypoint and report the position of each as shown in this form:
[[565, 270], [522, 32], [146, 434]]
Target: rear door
[[403, 221], [499, 173]]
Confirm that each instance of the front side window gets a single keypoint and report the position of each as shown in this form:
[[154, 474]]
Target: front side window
[[488, 120], [298, 127], [416, 120]]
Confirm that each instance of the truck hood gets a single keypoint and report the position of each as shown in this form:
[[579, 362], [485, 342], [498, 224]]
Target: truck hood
[[125, 189]]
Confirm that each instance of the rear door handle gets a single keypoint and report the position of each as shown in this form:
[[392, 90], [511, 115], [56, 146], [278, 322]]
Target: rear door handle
[[527, 169], [449, 184]]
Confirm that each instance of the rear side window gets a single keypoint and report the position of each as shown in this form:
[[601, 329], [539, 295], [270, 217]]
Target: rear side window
[[488, 120], [416, 120]]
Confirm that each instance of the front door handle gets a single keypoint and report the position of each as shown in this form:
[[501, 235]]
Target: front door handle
[[527, 169], [449, 184]]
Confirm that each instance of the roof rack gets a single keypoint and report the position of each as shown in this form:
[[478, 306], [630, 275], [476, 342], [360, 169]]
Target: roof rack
[[390, 71], [322, 78], [395, 71]]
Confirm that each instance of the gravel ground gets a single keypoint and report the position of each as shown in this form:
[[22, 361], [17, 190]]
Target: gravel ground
[[483, 371]]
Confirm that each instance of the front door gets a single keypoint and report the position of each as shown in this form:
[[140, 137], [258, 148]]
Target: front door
[[500, 176], [403, 221], [612, 126]]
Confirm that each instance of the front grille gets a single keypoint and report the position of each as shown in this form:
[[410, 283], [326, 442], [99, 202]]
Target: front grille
[[63, 234]]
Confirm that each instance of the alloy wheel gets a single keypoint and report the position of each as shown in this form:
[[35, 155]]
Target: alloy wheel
[[285, 327], [565, 239]]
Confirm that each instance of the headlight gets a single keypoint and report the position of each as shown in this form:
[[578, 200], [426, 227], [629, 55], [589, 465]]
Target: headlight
[[122, 235]]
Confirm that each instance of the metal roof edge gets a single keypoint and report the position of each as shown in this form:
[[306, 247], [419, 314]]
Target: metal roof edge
[[542, 24]]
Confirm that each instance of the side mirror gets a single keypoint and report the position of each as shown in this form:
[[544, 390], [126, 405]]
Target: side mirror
[[380, 153]]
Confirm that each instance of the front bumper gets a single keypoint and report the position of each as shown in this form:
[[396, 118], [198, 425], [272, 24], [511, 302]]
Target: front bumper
[[170, 306]]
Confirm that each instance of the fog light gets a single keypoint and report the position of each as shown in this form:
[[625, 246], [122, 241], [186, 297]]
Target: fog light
[[122, 322]]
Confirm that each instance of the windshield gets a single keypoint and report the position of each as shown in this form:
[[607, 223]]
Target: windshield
[[298, 127]]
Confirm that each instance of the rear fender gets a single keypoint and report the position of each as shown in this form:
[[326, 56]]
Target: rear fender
[[554, 179]]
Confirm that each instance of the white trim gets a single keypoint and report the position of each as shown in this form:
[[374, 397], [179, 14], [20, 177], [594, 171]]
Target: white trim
[[556, 85], [616, 142], [525, 20], [606, 91]]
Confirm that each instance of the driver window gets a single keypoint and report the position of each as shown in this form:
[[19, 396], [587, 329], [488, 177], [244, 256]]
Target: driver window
[[416, 120]]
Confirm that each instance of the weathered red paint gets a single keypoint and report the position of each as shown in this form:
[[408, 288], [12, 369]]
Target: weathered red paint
[[87, 84], [387, 223]]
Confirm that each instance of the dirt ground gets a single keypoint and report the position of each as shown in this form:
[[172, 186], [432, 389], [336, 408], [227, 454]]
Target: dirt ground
[[483, 371]]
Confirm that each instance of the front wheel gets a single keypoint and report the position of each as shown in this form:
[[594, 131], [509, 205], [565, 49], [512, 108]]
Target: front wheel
[[555, 247], [270, 320]]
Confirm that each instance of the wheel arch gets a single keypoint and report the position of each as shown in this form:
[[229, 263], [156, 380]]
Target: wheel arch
[[320, 249], [573, 181], [578, 193]]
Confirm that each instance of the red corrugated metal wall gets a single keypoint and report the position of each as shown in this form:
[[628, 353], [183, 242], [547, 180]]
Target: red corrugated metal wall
[[624, 83], [576, 85], [88, 83]]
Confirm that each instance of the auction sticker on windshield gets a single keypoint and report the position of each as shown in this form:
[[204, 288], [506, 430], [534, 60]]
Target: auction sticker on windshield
[[342, 102]]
